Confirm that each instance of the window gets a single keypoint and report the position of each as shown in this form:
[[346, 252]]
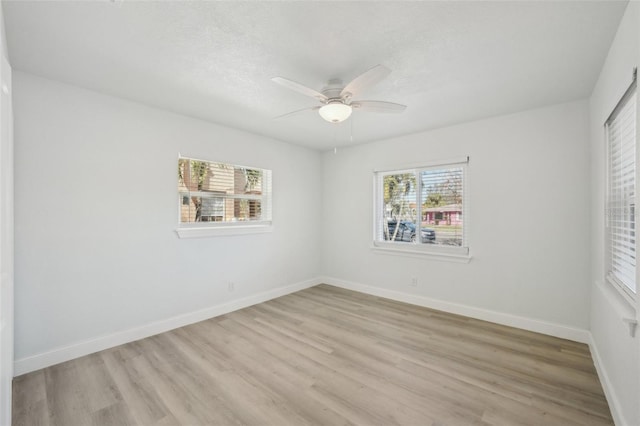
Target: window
[[621, 193], [220, 195], [422, 209]]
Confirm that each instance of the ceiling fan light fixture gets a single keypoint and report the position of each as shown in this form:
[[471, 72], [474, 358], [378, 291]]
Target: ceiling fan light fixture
[[335, 112]]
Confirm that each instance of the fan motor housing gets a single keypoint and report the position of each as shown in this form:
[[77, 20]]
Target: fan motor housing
[[333, 89]]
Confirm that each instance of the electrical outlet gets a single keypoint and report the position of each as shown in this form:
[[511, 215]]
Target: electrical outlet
[[232, 286], [413, 282]]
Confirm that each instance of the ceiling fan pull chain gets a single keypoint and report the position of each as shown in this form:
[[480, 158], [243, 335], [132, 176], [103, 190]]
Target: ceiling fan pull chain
[[351, 136]]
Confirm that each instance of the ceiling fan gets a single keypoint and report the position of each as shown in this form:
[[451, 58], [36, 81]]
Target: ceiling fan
[[337, 99]]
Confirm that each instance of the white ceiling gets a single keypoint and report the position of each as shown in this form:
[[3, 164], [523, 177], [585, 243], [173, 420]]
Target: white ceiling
[[452, 62]]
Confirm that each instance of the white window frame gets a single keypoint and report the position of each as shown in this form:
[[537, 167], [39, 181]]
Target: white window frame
[[616, 282], [439, 252], [213, 229]]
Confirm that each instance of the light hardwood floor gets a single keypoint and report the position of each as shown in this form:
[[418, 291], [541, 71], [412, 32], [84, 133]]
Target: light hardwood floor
[[323, 356]]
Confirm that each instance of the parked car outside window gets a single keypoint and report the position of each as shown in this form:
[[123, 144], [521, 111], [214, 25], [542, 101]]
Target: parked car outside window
[[407, 232]]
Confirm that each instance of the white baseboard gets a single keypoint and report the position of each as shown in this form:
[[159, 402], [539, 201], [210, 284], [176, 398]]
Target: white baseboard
[[609, 390], [66, 353], [530, 324]]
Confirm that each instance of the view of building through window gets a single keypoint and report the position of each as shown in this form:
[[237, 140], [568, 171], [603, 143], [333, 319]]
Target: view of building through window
[[220, 192]]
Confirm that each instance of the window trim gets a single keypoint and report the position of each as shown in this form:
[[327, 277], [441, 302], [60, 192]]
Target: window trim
[[626, 294], [216, 229], [422, 254], [455, 254]]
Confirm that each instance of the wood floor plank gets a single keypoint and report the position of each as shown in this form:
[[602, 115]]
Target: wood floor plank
[[323, 356], [30, 400], [136, 390], [67, 400]]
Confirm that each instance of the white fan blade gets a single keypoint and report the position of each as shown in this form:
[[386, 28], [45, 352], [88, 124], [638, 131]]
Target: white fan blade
[[315, 108], [289, 84], [365, 80], [378, 106]]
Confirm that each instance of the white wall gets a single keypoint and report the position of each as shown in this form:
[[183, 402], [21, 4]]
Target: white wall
[[616, 352], [6, 233], [529, 213], [96, 194], [6, 242]]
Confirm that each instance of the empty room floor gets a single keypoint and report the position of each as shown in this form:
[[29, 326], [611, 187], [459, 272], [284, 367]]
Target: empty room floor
[[325, 356]]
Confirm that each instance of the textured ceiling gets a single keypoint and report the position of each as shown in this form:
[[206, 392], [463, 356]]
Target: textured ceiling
[[451, 62]]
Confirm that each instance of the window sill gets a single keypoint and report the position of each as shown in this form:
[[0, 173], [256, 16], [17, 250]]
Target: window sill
[[221, 231], [630, 299], [422, 254]]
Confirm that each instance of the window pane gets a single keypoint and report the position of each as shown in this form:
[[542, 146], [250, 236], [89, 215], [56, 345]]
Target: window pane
[[442, 206], [219, 192], [423, 206], [202, 209], [399, 207], [246, 209]]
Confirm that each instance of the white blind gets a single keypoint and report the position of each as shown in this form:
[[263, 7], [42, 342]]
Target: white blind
[[442, 203], [621, 197]]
